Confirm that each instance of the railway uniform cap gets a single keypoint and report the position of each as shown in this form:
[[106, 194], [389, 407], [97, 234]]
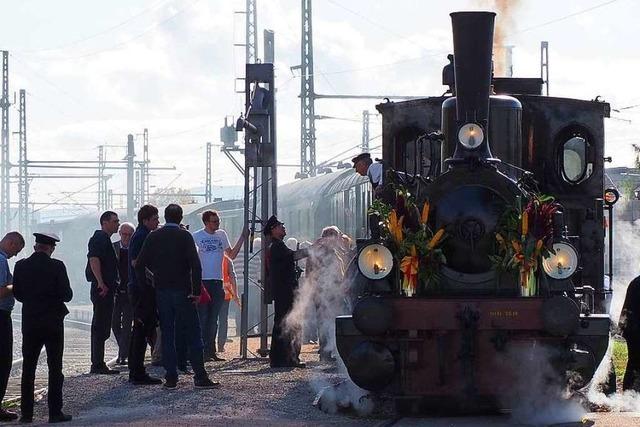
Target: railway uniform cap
[[271, 224], [359, 157], [47, 238]]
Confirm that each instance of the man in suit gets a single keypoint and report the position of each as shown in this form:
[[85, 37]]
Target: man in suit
[[102, 272], [630, 326], [170, 253], [122, 319], [41, 284], [283, 282], [10, 245]]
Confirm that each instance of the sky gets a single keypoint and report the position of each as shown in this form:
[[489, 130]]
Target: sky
[[95, 71]]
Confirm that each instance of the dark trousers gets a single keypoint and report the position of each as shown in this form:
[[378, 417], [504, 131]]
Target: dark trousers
[[175, 308], [285, 342], [49, 334], [121, 323], [144, 325], [208, 314], [223, 324], [631, 379], [100, 324], [6, 350]]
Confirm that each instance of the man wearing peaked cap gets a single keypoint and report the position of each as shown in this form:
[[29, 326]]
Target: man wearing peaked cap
[[364, 166], [42, 285], [282, 281]]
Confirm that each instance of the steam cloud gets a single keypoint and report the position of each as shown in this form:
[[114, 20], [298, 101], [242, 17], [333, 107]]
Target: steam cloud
[[322, 296], [505, 25]]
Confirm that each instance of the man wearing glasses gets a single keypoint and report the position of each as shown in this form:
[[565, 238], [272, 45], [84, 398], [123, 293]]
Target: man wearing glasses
[[102, 272], [213, 243]]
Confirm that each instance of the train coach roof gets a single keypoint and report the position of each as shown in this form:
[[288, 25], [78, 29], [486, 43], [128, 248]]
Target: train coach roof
[[319, 186]]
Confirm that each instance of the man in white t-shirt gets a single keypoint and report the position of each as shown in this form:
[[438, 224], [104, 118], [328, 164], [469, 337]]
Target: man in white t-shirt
[[213, 243]]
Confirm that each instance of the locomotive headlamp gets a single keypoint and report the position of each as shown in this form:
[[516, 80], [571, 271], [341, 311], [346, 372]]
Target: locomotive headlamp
[[375, 261], [563, 263], [611, 196], [471, 135]]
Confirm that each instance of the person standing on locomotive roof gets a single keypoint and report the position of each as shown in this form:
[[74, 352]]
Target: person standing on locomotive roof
[[630, 326], [41, 284], [365, 166], [122, 319], [282, 281], [102, 272], [213, 245], [10, 245]]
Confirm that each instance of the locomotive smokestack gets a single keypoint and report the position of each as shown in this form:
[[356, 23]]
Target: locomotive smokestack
[[472, 46]]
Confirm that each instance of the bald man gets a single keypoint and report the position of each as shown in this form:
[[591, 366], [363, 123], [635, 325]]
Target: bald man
[[10, 246], [122, 320]]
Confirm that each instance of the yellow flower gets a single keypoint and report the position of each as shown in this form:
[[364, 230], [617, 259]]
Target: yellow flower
[[425, 213], [435, 239]]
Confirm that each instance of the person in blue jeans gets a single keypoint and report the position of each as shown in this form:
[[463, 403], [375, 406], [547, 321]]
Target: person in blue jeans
[[170, 254], [213, 244]]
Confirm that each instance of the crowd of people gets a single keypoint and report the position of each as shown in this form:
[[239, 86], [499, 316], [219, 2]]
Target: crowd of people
[[158, 288]]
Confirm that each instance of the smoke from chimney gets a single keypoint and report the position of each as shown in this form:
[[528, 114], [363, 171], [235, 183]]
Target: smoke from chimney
[[505, 26]]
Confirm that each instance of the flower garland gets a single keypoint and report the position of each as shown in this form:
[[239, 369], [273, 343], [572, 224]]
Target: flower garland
[[524, 237], [407, 234]]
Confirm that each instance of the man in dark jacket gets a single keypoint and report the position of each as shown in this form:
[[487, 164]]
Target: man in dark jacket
[[630, 325], [102, 272], [283, 281], [41, 284], [143, 299], [170, 254], [121, 322]]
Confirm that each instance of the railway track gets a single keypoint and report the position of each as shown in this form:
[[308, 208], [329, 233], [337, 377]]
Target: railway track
[[76, 358]]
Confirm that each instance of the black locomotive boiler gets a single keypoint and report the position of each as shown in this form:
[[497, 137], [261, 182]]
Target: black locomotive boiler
[[488, 240]]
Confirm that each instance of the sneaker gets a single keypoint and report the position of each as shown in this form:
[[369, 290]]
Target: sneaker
[[60, 418], [7, 415], [170, 383], [145, 380], [205, 383], [122, 361], [103, 370]]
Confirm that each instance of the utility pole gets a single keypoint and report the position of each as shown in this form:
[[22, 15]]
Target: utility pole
[[251, 47], [207, 185], [5, 189], [23, 178], [130, 198], [307, 96], [365, 131], [102, 182], [544, 65], [145, 163]]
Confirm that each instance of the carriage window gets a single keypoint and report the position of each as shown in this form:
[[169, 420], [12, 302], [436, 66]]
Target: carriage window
[[575, 166]]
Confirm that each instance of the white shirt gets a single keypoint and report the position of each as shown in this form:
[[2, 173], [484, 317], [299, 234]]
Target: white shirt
[[374, 172], [211, 247]]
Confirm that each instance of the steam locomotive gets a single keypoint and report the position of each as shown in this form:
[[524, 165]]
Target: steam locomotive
[[469, 159]]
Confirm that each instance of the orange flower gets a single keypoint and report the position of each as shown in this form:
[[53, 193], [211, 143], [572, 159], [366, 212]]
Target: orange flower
[[525, 223], [425, 213], [435, 239], [395, 226]]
